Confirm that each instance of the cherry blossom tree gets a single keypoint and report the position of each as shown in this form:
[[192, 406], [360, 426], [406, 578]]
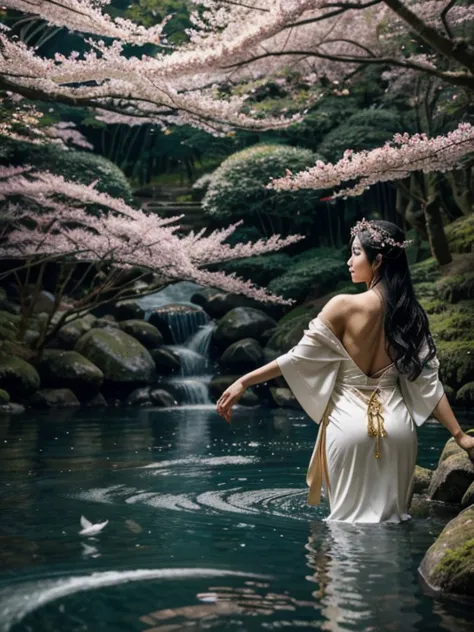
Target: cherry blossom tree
[[46, 220]]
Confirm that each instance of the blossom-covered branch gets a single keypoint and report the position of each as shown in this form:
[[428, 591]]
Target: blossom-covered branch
[[122, 237], [394, 161]]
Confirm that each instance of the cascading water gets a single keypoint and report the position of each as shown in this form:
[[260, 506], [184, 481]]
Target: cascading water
[[191, 333]]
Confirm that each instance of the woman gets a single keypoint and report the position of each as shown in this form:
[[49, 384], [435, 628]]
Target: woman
[[366, 370]]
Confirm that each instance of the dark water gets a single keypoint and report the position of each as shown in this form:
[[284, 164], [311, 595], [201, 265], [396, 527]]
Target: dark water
[[208, 529]]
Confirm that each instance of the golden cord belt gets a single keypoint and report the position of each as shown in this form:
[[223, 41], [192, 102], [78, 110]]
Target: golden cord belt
[[319, 471]]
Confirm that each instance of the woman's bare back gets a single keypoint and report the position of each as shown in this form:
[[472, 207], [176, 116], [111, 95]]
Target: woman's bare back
[[364, 337]]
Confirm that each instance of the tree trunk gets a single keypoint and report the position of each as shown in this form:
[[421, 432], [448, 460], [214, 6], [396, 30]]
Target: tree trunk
[[434, 222]]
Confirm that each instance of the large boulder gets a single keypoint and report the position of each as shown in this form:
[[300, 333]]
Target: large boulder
[[287, 334], [144, 332], [219, 304], [448, 565], [70, 369], [70, 333], [468, 498], [166, 361], [18, 377], [421, 479], [242, 355], [121, 358], [177, 321], [242, 322], [54, 398], [452, 478]]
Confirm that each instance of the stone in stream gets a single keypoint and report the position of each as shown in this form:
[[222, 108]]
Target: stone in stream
[[54, 398], [166, 361], [452, 478], [448, 565], [140, 397], [465, 395], [243, 354], [120, 357], [241, 322], [18, 378], [160, 397], [144, 332], [421, 479], [70, 369], [98, 401]]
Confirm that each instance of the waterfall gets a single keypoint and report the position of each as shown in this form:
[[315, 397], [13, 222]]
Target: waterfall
[[191, 333]]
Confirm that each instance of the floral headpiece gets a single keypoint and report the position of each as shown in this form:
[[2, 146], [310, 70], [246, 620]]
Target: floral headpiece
[[379, 235]]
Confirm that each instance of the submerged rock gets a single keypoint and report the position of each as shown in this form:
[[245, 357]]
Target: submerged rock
[[219, 384], [54, 398], [448, 565], [120, 357], [160, 397], [421, 479]]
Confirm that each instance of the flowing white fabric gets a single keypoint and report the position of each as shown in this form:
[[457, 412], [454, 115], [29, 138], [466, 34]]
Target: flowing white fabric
[[369, 477]]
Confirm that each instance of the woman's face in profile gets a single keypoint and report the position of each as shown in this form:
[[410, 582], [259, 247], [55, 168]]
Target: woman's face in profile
[[359, 267]]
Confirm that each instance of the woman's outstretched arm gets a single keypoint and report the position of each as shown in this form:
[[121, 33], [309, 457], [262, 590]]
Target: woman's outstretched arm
[[235, 391], [444, 414]]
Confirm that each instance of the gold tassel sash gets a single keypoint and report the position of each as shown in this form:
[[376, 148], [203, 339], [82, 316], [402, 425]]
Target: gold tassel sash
[[318, 472]]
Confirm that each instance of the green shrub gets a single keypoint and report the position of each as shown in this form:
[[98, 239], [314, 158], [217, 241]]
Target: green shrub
[[261, 270], [77, 166], [363, 130], [311, 278], [237, 190]]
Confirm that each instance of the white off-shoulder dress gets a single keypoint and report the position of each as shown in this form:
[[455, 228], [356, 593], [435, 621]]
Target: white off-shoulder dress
[[365, 453]]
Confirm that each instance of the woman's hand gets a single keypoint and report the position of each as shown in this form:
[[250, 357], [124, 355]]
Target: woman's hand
[[466, 442], [228, 398]]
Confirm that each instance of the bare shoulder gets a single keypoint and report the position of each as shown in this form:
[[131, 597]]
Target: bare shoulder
[[334, 314]]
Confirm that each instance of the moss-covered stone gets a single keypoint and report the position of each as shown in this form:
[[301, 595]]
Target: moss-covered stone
[[460, 234], [284, 398], [162, 398], [126, 310], [144, 332], [421, 479], [70, 333], [244, 354], [465, 395], [121, 358], [8, 325], [450, 448], [468, 498], [286, 336], [4, 397], [448, 565], [54, 398], [456, 362], [452, 478], [239, 323], [69, 369], [18, 377], [166, 361]]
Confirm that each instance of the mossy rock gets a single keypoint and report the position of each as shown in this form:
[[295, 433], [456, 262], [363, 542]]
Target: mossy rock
[[120, 357], [450, 448], [465, 395], [468, 498], [166, 361], [453, 323], [452, 478], [8, 325], [244, 354], [448, 565], [54, 398], [239, 323], [127, 310], [456, 362], [69, 369], [18, 377], [163, 399], [70, 333], [421, 479], [4, 397], [460, 234], [144, 332]]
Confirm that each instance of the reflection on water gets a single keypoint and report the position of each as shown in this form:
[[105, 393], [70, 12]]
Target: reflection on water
[[208, 529]]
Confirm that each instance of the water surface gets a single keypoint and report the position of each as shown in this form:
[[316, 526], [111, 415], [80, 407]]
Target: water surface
[[208, 529]]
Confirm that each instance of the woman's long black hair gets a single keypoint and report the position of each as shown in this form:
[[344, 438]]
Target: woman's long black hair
[[406, 325]]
